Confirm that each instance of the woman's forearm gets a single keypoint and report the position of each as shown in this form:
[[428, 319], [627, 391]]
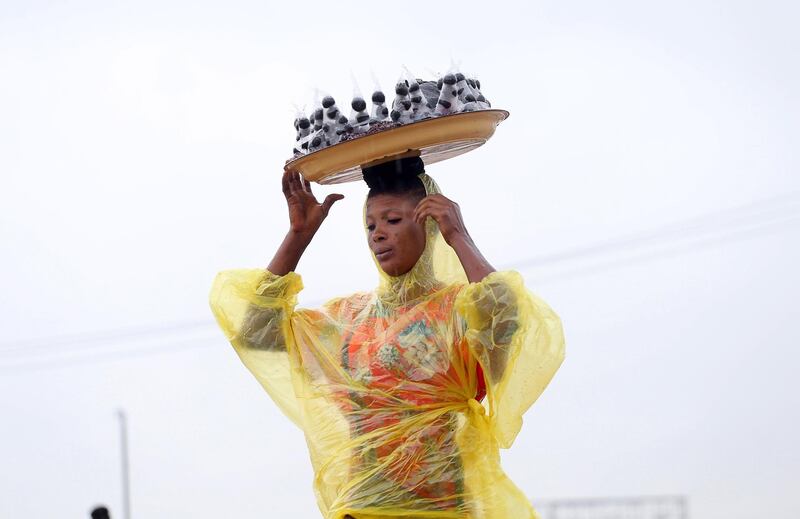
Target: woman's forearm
[[289, 253], [475, 265]]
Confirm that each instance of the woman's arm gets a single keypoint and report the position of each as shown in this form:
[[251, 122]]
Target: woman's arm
[[492, 317], [451, 224], [475, 265], [494, 312], [519, 342], [288, 254], [263, 324], [306, 215]]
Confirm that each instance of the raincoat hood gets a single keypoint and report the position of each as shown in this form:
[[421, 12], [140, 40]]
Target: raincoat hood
[[438, 266]]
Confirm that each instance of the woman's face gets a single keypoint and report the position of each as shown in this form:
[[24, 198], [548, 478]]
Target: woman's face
[[394, 237]]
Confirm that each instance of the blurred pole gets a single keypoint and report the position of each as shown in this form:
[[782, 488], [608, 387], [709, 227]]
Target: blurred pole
[[123, 435]]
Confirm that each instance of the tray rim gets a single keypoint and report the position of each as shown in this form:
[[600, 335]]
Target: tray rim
[[296, 164]]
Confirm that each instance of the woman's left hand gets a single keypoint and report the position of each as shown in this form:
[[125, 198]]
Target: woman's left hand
[[446, 213]]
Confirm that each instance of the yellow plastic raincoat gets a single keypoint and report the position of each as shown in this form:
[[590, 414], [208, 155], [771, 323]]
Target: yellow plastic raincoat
[[387, 385]]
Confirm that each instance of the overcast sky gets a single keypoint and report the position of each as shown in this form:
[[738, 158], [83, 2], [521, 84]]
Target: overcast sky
[[646, 185]]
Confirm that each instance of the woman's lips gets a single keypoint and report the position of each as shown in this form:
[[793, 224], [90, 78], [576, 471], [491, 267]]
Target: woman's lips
[[383, 254]]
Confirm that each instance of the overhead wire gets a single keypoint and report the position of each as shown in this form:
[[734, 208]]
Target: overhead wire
[[102, 356], [102, 336], [669, 252], [669, 240], [758, 218], [782, 206]]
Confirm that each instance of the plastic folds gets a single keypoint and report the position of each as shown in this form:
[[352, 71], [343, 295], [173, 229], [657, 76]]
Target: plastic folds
[[388, 386]]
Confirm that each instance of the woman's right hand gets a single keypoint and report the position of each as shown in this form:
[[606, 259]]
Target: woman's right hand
[[306, 214]]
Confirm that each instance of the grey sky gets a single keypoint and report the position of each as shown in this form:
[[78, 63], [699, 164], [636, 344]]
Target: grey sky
[[142, 147]]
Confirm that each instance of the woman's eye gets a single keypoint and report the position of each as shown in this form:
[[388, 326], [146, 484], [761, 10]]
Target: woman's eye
[[394, 220], [371, 227]]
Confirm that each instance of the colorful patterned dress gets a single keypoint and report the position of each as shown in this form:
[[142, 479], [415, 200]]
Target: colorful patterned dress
[[401, 354], [388, 395]]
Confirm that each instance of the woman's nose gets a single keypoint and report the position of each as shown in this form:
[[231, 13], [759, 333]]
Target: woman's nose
[[378, 234]]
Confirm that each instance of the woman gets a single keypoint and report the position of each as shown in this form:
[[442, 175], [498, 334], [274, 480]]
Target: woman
[[387, 385]]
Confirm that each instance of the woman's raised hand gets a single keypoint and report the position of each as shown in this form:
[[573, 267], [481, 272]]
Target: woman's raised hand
[[305, 217], [306, 214], [446, 213]]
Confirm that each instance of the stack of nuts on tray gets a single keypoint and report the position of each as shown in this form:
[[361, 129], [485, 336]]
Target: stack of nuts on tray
[[415, 100]]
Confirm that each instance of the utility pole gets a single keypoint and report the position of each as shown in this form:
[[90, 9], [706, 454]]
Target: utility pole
[[123, 435]]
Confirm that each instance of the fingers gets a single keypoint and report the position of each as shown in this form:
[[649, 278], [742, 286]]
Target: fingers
[[420, 215], [285, 183], [293, 183], [424, 211], [421, 211], [436, 201], [438, 198], [329, 201], [430, 206], [446, 212]]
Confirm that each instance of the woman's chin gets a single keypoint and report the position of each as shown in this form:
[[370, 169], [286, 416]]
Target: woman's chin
[[393, 270], [389, 270]]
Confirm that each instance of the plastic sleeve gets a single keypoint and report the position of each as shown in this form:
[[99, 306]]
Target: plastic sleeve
[[518, 341], [254, 309]]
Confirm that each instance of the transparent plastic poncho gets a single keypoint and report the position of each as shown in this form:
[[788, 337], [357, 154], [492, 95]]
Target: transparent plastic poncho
[[404, 394]]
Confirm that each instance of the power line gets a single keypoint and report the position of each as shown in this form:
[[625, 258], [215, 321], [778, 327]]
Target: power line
[[671, 240], [136, 332], [684, 248], [27, 365], [772, 208]]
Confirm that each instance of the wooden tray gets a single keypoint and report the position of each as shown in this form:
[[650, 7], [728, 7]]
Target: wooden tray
[[435, 139]]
